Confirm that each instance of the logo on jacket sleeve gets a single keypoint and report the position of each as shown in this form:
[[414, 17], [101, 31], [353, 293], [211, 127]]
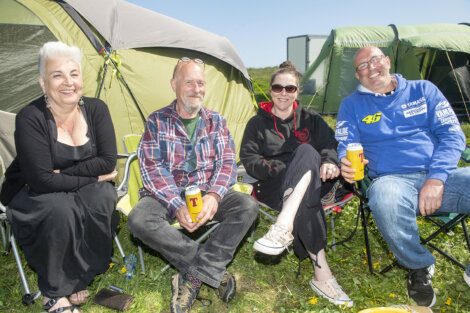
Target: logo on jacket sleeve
[[372, 118]]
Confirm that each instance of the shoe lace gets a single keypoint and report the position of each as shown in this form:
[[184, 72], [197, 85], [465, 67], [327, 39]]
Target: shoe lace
[[336, 289], [278, 233], [186, 295], [420, 276]]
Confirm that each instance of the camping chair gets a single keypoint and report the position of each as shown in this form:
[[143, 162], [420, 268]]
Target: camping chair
[[133, 182], [444, 222]]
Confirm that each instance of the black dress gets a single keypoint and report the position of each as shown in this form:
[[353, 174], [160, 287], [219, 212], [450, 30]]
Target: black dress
[[66, 236]]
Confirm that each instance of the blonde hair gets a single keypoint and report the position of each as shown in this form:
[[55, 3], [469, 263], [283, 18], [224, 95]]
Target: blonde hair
[[54, 49]]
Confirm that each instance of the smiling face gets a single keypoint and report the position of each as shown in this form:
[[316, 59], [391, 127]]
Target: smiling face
[[376, 76], [189, 86], [283, 101], [62, 81]]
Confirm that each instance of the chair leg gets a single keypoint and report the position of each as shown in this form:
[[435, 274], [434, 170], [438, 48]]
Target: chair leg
[[366, 236], [119, 246], [465, 233], [27, 298], [141, 258]]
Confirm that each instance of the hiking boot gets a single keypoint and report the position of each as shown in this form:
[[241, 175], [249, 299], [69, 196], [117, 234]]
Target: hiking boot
[[419, 286], [466, 275], [337, 196], [227, 288], [183, 294], [332, 291], [276, 240]]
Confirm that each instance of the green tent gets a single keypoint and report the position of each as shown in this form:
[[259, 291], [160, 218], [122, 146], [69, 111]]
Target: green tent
[[437, 52], [128, 57]]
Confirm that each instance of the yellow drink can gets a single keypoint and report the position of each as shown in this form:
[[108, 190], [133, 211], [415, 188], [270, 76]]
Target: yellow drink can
[[355, 155], [193, 198]]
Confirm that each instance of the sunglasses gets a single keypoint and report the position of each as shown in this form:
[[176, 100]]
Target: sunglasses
[[186, 59], [278, 88]]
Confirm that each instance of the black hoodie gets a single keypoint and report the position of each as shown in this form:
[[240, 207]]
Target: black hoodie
[[268, 141]]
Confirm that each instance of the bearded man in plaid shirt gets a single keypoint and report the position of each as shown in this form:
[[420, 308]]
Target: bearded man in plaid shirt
[[185, 144]]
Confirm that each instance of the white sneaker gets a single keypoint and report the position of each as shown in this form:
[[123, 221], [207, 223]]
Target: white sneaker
[[332, 291], [276, 240]]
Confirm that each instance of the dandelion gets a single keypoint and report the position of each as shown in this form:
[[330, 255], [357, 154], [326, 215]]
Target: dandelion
[[376, 265], [123, 270], [392, 295], [313, 300], [448, 301]]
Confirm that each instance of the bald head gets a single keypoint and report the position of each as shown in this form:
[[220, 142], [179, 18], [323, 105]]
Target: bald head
[[373, 69]]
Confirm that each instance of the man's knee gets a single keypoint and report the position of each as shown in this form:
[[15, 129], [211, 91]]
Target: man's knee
[[144, 211], [386, 194]]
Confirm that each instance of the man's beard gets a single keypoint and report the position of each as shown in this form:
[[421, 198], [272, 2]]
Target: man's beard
[[191, 107]]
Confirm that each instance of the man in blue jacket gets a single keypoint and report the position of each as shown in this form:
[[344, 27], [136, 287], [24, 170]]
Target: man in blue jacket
[[412, 142]]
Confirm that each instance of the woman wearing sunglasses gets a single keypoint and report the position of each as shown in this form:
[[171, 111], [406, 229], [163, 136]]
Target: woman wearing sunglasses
[[292, 153]]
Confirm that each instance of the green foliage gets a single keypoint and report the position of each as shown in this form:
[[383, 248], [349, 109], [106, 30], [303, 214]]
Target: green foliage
[[260, 78]]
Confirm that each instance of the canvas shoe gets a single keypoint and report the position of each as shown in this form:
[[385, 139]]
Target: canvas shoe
[[466, 275], [420, 287], [276, 240], [337, 196], [227, 288], [183, 294], [332, 291]]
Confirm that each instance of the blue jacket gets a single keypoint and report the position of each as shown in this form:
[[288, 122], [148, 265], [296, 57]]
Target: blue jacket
[[412, 130]]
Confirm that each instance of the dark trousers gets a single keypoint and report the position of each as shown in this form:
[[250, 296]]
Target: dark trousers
[[149, 221], [309, 224]]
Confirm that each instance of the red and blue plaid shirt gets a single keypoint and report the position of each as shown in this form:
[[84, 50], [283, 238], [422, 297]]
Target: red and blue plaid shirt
[[169, 162]]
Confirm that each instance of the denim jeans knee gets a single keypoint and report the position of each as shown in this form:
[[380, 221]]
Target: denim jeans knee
[[393, 200]]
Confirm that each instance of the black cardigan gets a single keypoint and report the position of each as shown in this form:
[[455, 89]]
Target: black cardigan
[[33, 164]]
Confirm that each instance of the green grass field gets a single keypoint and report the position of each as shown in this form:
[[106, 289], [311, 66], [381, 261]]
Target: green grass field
[[271, 284]]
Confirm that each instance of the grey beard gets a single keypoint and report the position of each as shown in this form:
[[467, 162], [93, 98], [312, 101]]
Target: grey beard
[[190, 109]]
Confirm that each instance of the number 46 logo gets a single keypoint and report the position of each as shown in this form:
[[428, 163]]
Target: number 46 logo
[[372, 118]]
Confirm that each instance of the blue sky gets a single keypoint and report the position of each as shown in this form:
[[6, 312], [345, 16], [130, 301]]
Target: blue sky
[[259, 28]]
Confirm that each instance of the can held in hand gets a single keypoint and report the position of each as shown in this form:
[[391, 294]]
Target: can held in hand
[[193, 197], [355, 155]]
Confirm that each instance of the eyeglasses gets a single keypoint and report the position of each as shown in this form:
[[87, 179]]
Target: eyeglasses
[[375, 60], [186, 59], [278, 88]]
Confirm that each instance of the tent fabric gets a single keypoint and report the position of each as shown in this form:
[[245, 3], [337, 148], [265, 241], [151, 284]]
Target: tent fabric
[[7, 143], [415, 51], [135, 84], [125, 25]]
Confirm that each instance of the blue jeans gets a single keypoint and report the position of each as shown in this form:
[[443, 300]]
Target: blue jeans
[[393, 200], [150, 222]]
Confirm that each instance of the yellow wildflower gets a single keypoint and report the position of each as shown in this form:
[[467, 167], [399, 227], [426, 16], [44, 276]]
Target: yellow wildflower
[[313, 300], [448, 301], [392, 295]]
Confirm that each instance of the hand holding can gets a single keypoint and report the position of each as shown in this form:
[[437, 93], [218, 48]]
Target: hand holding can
[[355, 155], [193, 197]]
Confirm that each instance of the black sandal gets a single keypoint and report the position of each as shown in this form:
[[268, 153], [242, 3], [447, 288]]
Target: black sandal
[[49, 304]]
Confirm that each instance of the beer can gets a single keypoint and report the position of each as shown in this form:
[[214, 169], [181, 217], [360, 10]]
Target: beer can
[[355, 155], [193, 197]]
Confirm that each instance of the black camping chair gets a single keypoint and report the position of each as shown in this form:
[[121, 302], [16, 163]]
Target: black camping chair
[[444, 223]]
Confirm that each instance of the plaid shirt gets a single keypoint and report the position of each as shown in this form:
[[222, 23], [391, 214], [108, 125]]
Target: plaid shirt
[[167, 156]]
